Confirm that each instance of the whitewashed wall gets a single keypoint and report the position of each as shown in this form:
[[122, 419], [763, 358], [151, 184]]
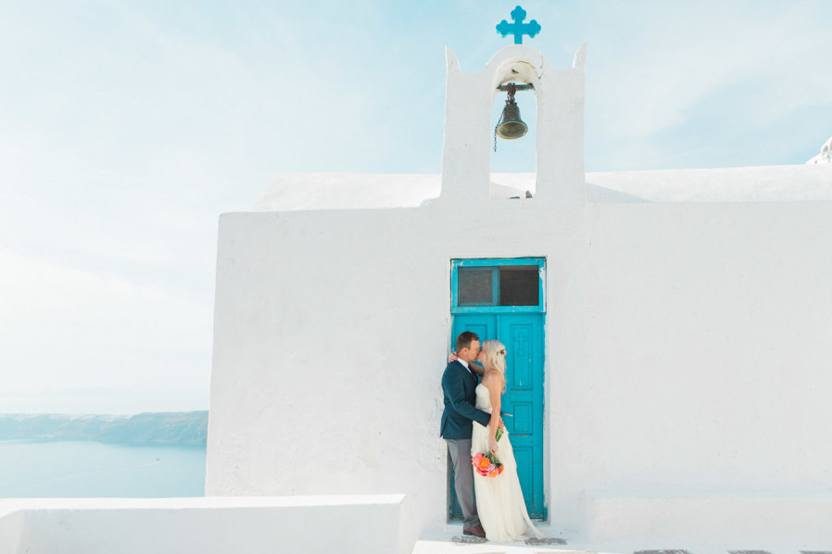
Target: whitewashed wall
[[330, 333], [688, 348], [319, 525], [687, 344], [704, 362]]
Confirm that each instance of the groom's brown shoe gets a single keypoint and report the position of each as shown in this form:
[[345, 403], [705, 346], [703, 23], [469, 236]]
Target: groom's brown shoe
[[474, 530]]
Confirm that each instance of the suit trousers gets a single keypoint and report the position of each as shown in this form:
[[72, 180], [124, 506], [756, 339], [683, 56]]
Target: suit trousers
[[460, 452]]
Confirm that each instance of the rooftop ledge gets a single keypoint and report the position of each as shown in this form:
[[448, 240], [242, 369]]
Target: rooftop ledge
[[776, 183]]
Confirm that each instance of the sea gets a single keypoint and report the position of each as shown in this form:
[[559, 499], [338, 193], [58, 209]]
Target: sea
[[31, 469]]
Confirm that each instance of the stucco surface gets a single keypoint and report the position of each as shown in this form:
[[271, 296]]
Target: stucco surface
[[208, 525], [687, 349]]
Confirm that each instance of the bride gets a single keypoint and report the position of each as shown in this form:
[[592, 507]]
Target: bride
[[500, 503]]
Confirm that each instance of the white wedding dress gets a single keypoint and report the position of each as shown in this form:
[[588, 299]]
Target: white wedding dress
[[500, 503]]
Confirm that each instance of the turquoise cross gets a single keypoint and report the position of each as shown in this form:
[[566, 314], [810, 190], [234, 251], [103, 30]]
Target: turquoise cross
[[518, 28]]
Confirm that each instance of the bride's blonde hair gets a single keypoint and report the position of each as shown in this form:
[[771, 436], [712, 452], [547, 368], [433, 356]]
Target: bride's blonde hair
[[494, 356]]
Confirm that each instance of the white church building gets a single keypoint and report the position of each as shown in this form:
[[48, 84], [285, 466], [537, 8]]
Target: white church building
[[669, 333], [669, 338]]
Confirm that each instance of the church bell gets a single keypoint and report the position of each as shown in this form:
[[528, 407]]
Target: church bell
[[511, 126]]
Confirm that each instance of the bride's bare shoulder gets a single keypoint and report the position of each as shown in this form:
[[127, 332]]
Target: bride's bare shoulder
[[492, 376]]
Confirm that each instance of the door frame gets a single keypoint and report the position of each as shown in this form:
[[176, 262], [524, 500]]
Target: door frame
[[540, 308]]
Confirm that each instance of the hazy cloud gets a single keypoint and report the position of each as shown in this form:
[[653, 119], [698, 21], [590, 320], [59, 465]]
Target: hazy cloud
[[126, 128]]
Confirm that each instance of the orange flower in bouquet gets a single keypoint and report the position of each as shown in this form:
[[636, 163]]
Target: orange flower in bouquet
[[487, 464]]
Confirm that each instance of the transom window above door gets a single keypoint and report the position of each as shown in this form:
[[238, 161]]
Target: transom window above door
[[502, 285]]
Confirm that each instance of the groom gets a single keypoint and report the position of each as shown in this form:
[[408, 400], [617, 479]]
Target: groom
[[458, 385]]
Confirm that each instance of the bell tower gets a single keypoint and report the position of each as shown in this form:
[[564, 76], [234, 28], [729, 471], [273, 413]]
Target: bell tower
[[469, 131]]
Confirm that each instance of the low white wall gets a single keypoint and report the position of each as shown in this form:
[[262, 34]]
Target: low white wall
[[217, 525], [11, 529], [688, 348]]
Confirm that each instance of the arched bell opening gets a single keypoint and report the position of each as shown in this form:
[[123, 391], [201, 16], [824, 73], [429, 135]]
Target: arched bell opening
[[513, 164]]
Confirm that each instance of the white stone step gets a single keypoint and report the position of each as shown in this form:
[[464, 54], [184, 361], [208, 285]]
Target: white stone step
[[458, 547]]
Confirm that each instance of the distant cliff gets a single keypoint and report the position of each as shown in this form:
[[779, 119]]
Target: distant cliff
[[147, 429]]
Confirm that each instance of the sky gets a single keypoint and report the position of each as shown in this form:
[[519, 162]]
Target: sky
[[126, 128]]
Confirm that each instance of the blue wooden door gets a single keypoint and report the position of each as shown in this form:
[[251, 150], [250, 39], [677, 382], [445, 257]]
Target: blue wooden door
[[521, 330], [523, 400]]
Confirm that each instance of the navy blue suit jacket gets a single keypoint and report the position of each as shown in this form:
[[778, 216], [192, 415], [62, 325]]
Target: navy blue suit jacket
[[458, 388]]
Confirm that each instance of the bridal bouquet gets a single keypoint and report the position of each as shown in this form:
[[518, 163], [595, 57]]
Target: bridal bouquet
[[487, 464]]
